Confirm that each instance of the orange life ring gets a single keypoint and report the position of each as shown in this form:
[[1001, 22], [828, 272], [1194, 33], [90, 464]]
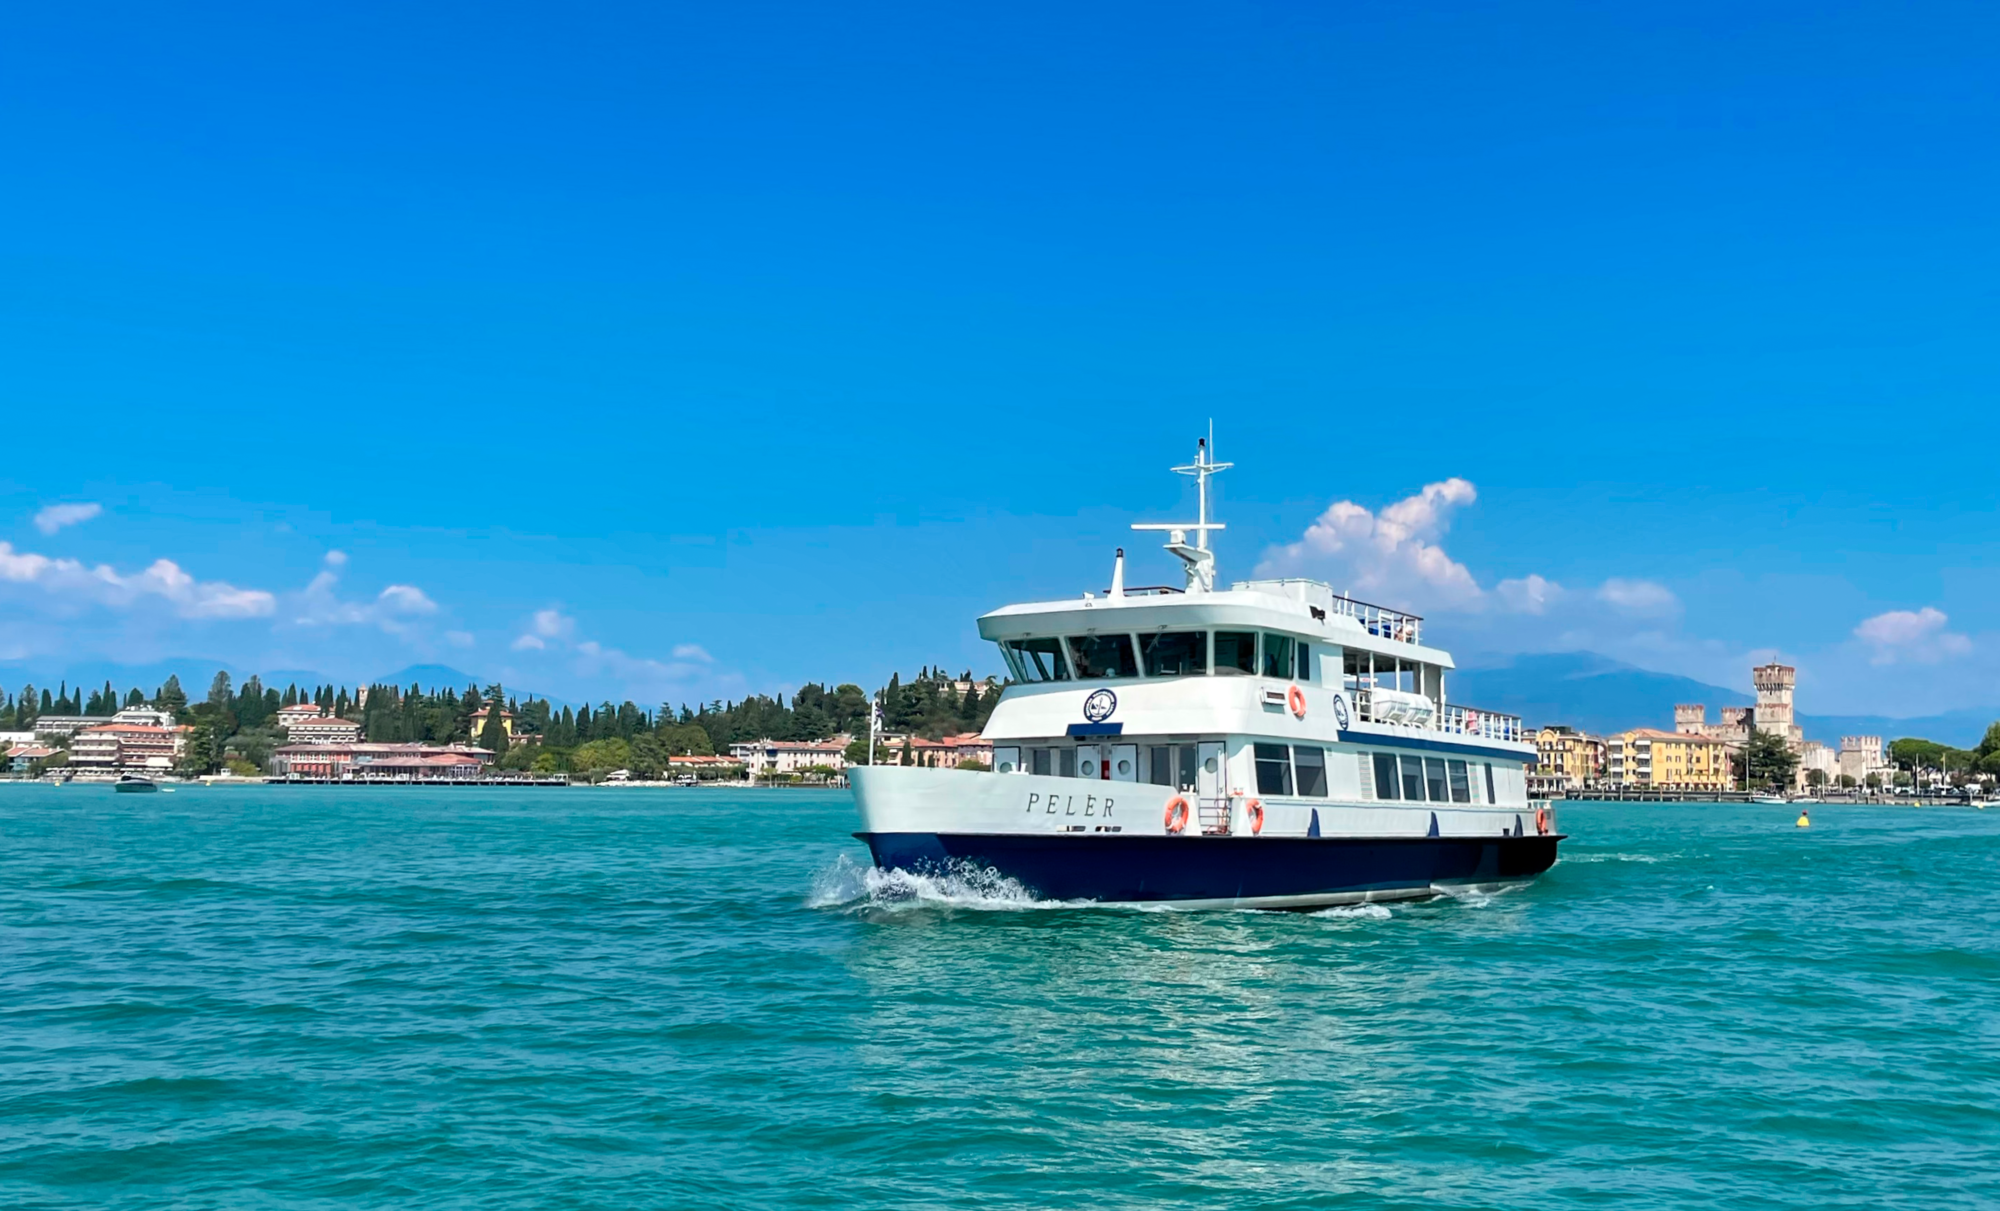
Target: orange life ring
[[1296, 699], [1177, 814], [1256, 809], [1542, 820]]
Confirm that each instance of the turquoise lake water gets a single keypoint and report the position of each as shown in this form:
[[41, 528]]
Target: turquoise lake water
[[316, 997]]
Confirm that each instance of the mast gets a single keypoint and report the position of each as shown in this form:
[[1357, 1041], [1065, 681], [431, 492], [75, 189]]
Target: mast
[[1198, 559]]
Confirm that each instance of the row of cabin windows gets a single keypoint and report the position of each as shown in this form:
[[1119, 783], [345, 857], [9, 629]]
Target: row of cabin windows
[[1410, 779], [1174, 765], [1160, 654]]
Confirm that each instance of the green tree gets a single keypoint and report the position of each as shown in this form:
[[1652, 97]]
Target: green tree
[[599, 757], [857, 751], [170, 697], [1770, 760], [493, 737], [218, 689]]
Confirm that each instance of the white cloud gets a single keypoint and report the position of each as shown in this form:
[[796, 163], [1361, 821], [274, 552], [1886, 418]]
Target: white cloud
[[163, 582], [553, 631], [1915, 636], [1530, 594], [1641, 598], [553, 624], [55, 517], [692, 651], [392, 610], [459, 639], [1393, 554]]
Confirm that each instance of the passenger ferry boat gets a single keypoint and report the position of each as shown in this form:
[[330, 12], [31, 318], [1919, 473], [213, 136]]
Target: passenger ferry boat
[[1269, 745]]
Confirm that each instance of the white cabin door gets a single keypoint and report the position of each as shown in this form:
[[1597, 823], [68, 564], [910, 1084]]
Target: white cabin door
[[1210, 784], [1089, 761], [1124, 763]]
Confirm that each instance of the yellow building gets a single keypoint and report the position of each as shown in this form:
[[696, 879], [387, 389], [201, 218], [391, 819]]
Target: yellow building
[[1566, 760], [1647, 756], [479, 722]]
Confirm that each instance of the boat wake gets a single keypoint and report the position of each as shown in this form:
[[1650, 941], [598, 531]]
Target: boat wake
[[848, 884]]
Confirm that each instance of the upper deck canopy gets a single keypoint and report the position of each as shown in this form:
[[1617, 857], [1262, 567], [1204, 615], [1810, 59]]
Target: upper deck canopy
[[1303, 607]]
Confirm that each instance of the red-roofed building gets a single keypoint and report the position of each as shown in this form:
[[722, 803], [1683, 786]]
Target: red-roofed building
[[127, 748], [379, 762]]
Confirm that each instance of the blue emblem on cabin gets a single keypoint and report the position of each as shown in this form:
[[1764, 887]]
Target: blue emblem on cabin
[[1098, 707], [1340, 711]]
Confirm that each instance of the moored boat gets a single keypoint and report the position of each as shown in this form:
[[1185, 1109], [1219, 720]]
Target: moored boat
[[133, 784], [1272, 744]]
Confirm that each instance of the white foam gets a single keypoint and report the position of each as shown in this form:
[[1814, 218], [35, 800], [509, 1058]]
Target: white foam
[[846, 884], [1647, 858], [1363, 912], [1475, 895]]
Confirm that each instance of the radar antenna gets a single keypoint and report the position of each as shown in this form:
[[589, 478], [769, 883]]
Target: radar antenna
[[1199, 560]]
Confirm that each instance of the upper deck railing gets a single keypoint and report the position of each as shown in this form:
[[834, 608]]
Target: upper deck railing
[[1453, 720], [1380, 620]]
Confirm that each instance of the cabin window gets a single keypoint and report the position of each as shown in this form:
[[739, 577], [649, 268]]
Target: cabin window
[[1434, 779], [1037, 659], [1235, 653], [1385, 776], [1305, 662], [1160, 765], [1461, 784], [1099, 657], [1278, 656], [1175, 653], [1184, 768], [1041, 761], [1310, 763], [1413, 779], [1490, 796], [1066, 762], [1274, 769]]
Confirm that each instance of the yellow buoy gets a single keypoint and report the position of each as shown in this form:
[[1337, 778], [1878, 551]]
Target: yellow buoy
[[1804, 821]]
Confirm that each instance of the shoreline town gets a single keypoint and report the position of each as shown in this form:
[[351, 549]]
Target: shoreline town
[[328, 735]]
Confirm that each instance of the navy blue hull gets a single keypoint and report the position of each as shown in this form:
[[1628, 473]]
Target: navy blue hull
[[1131, 869]]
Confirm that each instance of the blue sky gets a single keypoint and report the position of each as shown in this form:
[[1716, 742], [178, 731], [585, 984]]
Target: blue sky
[[716, 348]]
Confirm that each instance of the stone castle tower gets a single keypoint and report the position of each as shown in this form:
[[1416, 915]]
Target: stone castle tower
[[1691, 719], [1774, 684]]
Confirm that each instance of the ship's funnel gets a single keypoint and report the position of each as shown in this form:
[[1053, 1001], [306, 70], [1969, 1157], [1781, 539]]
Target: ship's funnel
[[1118, 574]]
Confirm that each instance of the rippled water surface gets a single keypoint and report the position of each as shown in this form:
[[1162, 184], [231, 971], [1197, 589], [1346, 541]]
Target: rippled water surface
[[253, 997]]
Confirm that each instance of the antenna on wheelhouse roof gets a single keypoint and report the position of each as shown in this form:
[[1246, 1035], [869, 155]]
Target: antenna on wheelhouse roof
[[1199, 560]]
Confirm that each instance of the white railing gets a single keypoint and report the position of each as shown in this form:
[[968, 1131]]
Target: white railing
[[1467, 721], [1454, 719], [1380, 620]]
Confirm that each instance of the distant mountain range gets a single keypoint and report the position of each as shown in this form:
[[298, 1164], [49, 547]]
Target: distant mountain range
[[1599, 694]]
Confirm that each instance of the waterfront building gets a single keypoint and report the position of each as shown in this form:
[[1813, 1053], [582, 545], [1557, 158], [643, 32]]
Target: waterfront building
[[61, 727], [714, 767], [1821, 758], [20, 756], [129, 748], [788, 756], [1775, 685], [289, 715], [325, 730], [948, 752], [1566, 760], [380, 762], [1649, 757], [480, 716], [10, 739]]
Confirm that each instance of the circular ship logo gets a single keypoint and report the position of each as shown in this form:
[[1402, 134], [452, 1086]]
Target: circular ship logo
[[1098, 707], [1340, 711]]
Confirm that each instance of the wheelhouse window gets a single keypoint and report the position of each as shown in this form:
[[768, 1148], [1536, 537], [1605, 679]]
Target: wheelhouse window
[[1174, 653], [1278, 656], [1309, 763], [1235, 653], [1036, 659], [1098, 657], [1305, 662], [1385, 776], [1274, 769]]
